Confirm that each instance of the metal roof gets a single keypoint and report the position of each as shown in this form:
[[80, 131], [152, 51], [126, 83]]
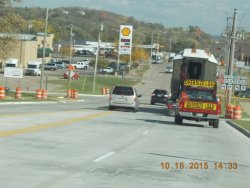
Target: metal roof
[[196, 53], [27, 37]]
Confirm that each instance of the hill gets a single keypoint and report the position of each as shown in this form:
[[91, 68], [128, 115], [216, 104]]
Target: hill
[[86, 24]]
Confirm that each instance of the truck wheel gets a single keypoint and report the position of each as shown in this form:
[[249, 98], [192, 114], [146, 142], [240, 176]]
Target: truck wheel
[[215, 123], [210, 122]]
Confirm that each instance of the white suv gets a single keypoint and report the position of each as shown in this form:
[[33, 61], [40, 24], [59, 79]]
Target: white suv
[[125, 97]]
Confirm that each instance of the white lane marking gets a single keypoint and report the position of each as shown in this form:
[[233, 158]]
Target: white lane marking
[[104, 156], [145, 132]]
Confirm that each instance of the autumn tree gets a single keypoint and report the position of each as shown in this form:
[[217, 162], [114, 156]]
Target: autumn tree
[[10, 24]]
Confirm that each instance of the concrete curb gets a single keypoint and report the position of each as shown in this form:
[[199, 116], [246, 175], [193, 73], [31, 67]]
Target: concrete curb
[[242, 130]]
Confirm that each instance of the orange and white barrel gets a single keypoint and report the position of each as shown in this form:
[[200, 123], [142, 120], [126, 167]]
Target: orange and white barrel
[[2, 92], [104, 91], [229, 111], [69, 93], [72, 94], [18, 93], [44, 94], [75, 94], [237, 112], [38, 93], [107, 90]]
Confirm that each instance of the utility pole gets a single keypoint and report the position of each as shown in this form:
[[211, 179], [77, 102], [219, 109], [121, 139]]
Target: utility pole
[[70, 57], [97, 55], [231, 56], [44, 46], [170, 46]]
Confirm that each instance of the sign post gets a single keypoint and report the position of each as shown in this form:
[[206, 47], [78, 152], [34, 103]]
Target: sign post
[[125, 42]]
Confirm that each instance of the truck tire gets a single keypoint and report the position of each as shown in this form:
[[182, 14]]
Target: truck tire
[[178, 120], [215, 123]]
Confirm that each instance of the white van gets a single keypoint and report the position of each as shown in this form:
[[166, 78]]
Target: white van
[[11, 62], [34, 68]]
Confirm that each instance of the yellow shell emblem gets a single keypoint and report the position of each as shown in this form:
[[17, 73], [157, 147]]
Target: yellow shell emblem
[[125, 31]]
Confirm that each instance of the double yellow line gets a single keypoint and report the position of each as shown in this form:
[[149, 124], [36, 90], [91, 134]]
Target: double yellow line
[[50, 125]]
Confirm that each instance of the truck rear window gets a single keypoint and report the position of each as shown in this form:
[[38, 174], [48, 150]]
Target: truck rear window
[[201, 95]]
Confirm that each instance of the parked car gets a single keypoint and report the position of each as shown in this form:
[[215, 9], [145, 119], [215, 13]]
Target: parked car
[[159, 96], [60, 65], [107, 70], [245, 94], [50, 66], [169, 69], [74, 75], [124, 97]]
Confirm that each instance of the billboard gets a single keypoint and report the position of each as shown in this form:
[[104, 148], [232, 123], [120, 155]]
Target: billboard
[[11, 72], [125, 39]]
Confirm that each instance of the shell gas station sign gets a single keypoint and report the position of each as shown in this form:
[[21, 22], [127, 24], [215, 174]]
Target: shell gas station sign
[[125, 39]]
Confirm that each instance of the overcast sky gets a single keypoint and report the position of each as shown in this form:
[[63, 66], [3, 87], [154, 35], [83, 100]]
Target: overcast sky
[[209, 15]]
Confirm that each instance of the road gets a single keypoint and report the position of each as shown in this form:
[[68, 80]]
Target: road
[[82, 144]]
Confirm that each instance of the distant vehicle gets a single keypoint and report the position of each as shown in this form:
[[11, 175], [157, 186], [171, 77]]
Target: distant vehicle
[[11, 62], [107, 70], [159, 96], [169, 69], [74, 75], [124, 97], [50, 66], [60, 65], [243, 94], [84, 52], [34, 68], [81, 65]]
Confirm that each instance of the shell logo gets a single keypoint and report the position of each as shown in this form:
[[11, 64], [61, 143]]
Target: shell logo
[[125, 31]]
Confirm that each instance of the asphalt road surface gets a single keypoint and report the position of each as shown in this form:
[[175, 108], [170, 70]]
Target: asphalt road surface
[[82, 144]]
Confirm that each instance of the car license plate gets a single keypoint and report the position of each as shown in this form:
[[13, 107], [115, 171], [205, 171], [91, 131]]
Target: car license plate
[[200, 105], [121, 100]]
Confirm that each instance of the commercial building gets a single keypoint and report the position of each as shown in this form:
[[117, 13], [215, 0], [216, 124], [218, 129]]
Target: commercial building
[[29, 47]]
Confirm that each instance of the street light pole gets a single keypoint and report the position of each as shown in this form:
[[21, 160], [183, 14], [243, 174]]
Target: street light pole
[[44, 45], [70, 57], [97, 56]]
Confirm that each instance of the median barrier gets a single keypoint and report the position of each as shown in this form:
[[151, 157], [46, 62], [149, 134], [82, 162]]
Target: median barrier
[[103, 91], [18, 93], [44, 94], [237, 111], [39, 94], [2, 92], [229, 111]]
